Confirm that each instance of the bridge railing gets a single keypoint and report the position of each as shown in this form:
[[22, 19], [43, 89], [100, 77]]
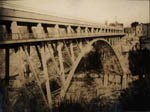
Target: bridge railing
[[22, 36]]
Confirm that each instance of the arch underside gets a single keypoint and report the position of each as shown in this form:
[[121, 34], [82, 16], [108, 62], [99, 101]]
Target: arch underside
[[97, 59]]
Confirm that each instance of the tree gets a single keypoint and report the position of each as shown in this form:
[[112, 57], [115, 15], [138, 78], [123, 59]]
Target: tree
[[134, 24]]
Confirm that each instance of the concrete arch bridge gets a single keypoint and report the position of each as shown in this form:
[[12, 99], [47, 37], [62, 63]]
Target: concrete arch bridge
[[60, 49]]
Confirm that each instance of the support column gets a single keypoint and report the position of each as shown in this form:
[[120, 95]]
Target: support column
[[7, 107], [115, 81], [117, 40], [39, 55], [112, 40], [105, 74], [59, 48], [7, 62], [80, 45], [108, 78], [53, 58], [127, 80], [108, 40], [105, 80], [124, 84], [5, 84], [87, 41], [24, 50], [29, 49], [20, 62], [44, 58], [72, 53]]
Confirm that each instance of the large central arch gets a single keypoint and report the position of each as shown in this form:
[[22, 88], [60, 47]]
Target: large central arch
[[102, 46]]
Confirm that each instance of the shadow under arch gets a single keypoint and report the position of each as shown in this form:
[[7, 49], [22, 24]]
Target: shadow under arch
[[96, 43]]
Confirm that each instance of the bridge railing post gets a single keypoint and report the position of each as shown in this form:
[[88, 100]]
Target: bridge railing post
[[14, 30], [78, 31], [86, 31], [69, 31], [40, 31], [56, 31]]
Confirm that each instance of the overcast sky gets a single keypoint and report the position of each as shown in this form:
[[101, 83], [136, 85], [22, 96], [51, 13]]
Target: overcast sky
[[125, 11]]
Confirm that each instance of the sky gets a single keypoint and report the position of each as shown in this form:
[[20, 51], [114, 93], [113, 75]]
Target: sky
[[124, 11]]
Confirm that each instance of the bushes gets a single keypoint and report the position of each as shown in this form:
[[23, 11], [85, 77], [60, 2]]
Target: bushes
[[137, 96], [95, 105], [30, 100]]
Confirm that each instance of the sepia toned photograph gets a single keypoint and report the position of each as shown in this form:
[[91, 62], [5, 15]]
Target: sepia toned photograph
[[74, 55]]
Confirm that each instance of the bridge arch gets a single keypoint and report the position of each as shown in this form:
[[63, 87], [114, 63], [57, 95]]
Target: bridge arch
[[96, 44]]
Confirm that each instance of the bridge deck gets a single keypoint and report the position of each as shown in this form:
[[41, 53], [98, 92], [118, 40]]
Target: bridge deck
[[18, 41], [17, 27]]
